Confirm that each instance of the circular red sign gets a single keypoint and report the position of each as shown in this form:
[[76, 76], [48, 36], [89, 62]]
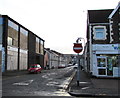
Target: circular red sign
[[77, 47]]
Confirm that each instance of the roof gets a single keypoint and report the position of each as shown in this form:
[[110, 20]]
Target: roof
[[114, 11], [99, 16]]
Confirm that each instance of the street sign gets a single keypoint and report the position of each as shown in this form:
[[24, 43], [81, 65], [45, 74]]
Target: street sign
[[77, 47]]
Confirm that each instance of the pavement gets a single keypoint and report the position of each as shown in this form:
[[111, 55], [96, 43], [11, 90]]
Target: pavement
[[94, 87]]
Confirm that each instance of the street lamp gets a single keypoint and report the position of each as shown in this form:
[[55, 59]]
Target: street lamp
[[80, 38]]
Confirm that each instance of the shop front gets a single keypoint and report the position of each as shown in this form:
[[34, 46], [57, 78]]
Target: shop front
[[106, 60]]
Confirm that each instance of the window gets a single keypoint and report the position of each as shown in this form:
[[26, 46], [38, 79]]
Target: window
[[37, 45], [10, 41], [99, 32], [13, 25], [41, 47], [12, 34], [23, 38]]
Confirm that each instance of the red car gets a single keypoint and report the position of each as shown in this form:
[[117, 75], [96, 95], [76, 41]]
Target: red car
[[35, 68]]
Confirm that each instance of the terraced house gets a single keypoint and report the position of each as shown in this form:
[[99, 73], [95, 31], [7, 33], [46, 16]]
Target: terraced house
[[102, 54], [19, 47]]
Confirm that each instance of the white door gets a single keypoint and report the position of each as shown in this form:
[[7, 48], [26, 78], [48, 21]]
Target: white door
[[102, 65]]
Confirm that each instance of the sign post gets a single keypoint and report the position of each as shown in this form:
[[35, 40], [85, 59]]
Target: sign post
[[78, 48]]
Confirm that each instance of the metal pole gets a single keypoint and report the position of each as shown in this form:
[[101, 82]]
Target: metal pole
[[79, 67], [78, 71]]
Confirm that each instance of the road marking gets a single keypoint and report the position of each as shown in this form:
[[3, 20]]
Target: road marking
[[24, 83], [85, 82], [85, 87], [52, 83], [21, 84]]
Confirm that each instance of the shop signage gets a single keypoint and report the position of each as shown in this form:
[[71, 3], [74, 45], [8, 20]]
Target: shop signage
[[116, 47], [107, 47]]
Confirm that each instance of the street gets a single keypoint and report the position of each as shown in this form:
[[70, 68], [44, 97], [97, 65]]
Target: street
[[47, 83]]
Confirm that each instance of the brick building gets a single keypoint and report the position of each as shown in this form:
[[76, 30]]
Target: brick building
[[102, 51]]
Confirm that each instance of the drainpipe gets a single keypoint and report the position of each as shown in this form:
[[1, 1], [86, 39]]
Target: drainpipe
[[90, 48]]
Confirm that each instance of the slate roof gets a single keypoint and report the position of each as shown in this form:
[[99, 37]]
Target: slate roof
[[99, 16]]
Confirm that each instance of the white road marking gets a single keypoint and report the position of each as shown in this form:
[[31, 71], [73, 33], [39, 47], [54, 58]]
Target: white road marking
[[85, 87], [84, 82], [24, 82]]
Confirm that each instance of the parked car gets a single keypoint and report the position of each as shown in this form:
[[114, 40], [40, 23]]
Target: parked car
[[35, 68], [61, 66]]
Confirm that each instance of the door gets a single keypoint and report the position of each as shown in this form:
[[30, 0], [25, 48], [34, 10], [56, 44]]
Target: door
[[110, 64], [102, 65]]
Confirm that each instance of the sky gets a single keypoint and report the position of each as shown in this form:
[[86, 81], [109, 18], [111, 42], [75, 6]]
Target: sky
[[58, 22]]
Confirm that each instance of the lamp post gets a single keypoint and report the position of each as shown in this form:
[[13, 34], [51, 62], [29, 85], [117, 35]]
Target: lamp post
[[78, 48]]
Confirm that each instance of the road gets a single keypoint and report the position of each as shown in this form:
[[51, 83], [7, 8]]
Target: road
[[48, 83]]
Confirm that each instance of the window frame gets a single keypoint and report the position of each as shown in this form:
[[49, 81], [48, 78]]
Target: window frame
[[95, 32], [37, 45]]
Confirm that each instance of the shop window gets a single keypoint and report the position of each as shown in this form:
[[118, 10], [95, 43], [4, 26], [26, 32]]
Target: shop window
[[115, 61], [99, 32], [102, 71], [101, 62]]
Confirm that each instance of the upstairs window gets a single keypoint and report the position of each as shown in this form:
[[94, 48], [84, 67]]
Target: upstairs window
[[37, 45], [99, 32], [42, 47], [12, 33], [23, 39]]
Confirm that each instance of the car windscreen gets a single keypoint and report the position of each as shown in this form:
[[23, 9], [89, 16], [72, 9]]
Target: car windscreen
[[35, 66]]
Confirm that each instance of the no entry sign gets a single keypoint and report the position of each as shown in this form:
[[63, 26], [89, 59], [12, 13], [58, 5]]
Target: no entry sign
[[77, 47]]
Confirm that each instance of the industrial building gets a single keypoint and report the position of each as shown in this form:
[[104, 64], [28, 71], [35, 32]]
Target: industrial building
[[19, 47]]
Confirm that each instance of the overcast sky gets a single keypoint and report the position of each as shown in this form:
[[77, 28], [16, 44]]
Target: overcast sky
[[58, 22]]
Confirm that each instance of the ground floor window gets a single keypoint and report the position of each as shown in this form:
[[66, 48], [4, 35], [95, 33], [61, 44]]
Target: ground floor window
[[106, 63]]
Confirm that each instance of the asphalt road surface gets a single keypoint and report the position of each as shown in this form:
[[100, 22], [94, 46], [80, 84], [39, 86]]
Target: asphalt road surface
[[47, 83]]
